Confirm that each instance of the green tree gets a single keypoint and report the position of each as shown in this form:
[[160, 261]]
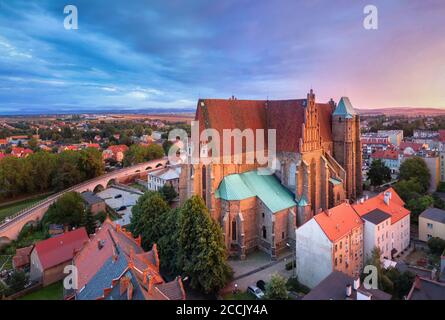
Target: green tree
[[33, 144], [408, 189], [18, 281], [90, 222], [69, 209], [416, 167], [147, 218], [276, 288], [42, 166], [67, 171], [13, 177], [168, 243], [168, 192], [138, 153], [90, 163], [417, 206], [202, 253], [436, 245], [379, 173], [384, 282]]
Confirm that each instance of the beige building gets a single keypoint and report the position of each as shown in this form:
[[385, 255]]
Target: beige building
[[432, 224]]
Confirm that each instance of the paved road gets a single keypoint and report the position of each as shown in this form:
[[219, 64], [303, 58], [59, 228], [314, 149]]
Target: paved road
[[261, 272]]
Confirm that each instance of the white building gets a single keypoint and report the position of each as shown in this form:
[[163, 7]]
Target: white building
[[381, 232], [121, 200], [158, 178]]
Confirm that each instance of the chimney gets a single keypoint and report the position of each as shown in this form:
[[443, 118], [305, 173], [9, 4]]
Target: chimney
[[387, 197], [348, 290], [357, 283]]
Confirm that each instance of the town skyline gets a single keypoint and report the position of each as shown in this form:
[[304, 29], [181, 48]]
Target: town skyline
[[166, 56]]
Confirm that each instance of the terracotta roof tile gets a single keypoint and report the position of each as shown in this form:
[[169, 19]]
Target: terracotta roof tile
[[59, 249], [395, 208], [338, 221]]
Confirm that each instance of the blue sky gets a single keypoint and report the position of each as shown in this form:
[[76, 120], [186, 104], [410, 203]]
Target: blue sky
[[166, 54]]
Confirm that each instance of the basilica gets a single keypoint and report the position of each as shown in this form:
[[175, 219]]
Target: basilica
[[318, 166]]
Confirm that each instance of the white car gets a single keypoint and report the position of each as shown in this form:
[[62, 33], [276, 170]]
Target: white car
[[256, 292]]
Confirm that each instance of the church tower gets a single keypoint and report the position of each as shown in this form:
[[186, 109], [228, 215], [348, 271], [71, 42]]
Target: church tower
[[347, 148]]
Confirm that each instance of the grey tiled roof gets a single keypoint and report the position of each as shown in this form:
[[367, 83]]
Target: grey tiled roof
[[333, 287], [434, 214], [90, 198], [103, 278], [376, 216]]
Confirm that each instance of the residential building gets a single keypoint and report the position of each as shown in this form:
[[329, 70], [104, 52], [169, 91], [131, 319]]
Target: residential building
[[113, 266], [371, 144], [340, 286], [397, 230], [432, 224], [49, 257], [395, 136], [20, 152], [21, 260], [115, 152], [433, 163], [121, 199], [426, 289], [158, 178], [390, 158], [94, 203], [377, 233], [318, 156], [330, 241], [16, 140], [409, 148]]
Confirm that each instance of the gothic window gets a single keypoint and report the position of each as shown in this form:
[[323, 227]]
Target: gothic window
[[263, 215], [204, 182], [264, 233], [292, 172], [234, 229]]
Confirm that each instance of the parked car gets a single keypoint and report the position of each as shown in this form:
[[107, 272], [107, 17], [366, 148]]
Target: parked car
[[261, 284], [255, 291]]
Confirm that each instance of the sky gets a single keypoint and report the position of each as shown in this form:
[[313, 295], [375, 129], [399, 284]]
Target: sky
[[149, 54]]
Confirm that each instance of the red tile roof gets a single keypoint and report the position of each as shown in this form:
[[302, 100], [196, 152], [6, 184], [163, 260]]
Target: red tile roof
[[415, 146], [385, 154], [21, 257], [286, 116], [338, 221], [395, 208], [3, 141], [61, 248], [118, 148]]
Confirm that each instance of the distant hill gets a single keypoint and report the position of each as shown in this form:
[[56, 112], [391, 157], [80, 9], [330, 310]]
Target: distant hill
[[405, 111]]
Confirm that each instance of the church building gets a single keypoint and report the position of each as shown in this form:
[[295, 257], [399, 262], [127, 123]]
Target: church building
[[318, 166]]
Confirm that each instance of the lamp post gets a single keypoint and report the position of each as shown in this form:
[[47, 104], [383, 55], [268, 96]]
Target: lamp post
[[294, 258]]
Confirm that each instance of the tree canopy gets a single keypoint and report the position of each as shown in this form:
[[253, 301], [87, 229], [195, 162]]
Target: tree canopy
[[379, 173], [137, 154], [416, 168], [202, 254]]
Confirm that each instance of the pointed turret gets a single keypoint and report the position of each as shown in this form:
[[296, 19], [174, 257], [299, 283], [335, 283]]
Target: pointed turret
[[345, 109]]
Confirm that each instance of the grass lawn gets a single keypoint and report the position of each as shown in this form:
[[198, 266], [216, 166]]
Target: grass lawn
[[239, 296], [15, 207], [51, 292]]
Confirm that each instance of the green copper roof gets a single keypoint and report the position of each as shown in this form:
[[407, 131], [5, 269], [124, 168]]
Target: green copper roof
[[335, 181], [344, 108], [249, 184], [303, 202]]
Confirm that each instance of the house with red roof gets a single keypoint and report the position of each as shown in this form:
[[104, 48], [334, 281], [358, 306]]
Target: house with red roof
[[3, 142], [21, 259], [331, 241], [386, 223], [390, 157], [113, 266], [115, 152], [49, 257], [20, 152]]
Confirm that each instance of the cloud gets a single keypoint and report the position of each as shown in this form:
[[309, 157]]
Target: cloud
[[169, 53]]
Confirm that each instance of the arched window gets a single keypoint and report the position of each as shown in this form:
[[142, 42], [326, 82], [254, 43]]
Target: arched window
[[234, 229], [204, 182], [264, 233]]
